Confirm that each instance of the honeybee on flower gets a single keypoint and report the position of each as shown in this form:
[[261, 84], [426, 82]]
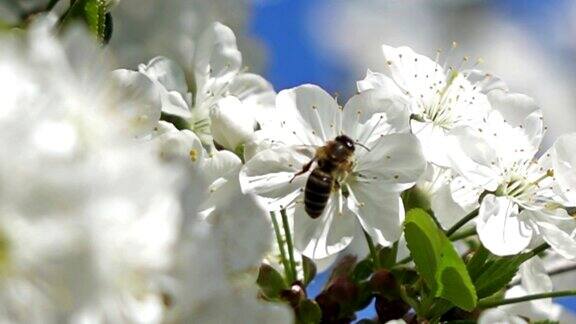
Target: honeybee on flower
[[366, 192]]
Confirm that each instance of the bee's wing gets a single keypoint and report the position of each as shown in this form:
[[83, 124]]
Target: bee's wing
[[307, 150]]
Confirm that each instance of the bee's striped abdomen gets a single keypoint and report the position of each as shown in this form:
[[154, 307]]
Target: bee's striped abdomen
[[317, 192]]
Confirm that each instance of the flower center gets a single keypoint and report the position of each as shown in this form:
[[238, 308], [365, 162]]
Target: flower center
[[522, 189], [440, 111]]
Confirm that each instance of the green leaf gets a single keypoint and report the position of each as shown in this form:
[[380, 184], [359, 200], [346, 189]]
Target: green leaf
[[95, 15], [270, 281], [308, 312], [496, 273], [477, 262], [437, 261], [309, 269]]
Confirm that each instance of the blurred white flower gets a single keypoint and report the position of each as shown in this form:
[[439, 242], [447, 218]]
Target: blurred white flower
[[87, 215], [176, 29], [135, 87], [219, 169], [535, 280], [213, 280], [368, 194], [219, 91], [99, 226]]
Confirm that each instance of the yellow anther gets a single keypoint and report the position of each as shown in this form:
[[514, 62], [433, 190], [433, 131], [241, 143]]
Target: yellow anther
[[193, 155]]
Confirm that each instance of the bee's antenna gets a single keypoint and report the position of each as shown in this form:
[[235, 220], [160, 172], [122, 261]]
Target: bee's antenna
[[362, 145]]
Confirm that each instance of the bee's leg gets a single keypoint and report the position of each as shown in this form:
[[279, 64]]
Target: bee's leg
[[305, 169]]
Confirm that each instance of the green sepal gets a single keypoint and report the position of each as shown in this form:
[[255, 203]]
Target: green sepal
[[309, 269], [496, 273], [270, 282], [387, 256], [308, 312], [362, 270]]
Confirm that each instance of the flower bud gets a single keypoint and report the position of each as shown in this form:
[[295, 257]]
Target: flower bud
[[389, 310], [384, 283], [232, 124]]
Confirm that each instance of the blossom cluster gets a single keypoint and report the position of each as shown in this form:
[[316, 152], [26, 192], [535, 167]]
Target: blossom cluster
[[181, 193]]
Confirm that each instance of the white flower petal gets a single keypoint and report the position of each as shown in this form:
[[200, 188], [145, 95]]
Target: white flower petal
[[310, 112], [500, 228], [514, 107], [141, 101], [269, 172], [498, 316], [253, 90], [326, 235], [375, 80], [216, 55], [374, 113], [564, 165], [181, 145], [413, 72], [535, 280], [465, 193], [166, 72], [357, 246], [530, 309], [172, 82], [485, 82], [231, 122], [241, 218], [474, 158], [221, 164], [445, 208], [379, 211], [434, 140], [559, 232], [396, 162]]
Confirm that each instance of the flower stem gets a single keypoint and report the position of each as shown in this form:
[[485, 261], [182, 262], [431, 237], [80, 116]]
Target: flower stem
[[462, 222], [492, 303], [463, 234], [541, 248], [373, 252], [280, 241], [289, 243]]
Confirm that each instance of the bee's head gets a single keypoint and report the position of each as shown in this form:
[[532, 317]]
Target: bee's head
[[346, 141]]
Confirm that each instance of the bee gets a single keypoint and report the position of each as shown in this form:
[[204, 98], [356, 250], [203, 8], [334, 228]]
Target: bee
[[333, 160]]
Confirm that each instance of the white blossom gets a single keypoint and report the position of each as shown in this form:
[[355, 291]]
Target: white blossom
[[438, 99], [87, 216], [235, 100], [369, 194], [520, 206]]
